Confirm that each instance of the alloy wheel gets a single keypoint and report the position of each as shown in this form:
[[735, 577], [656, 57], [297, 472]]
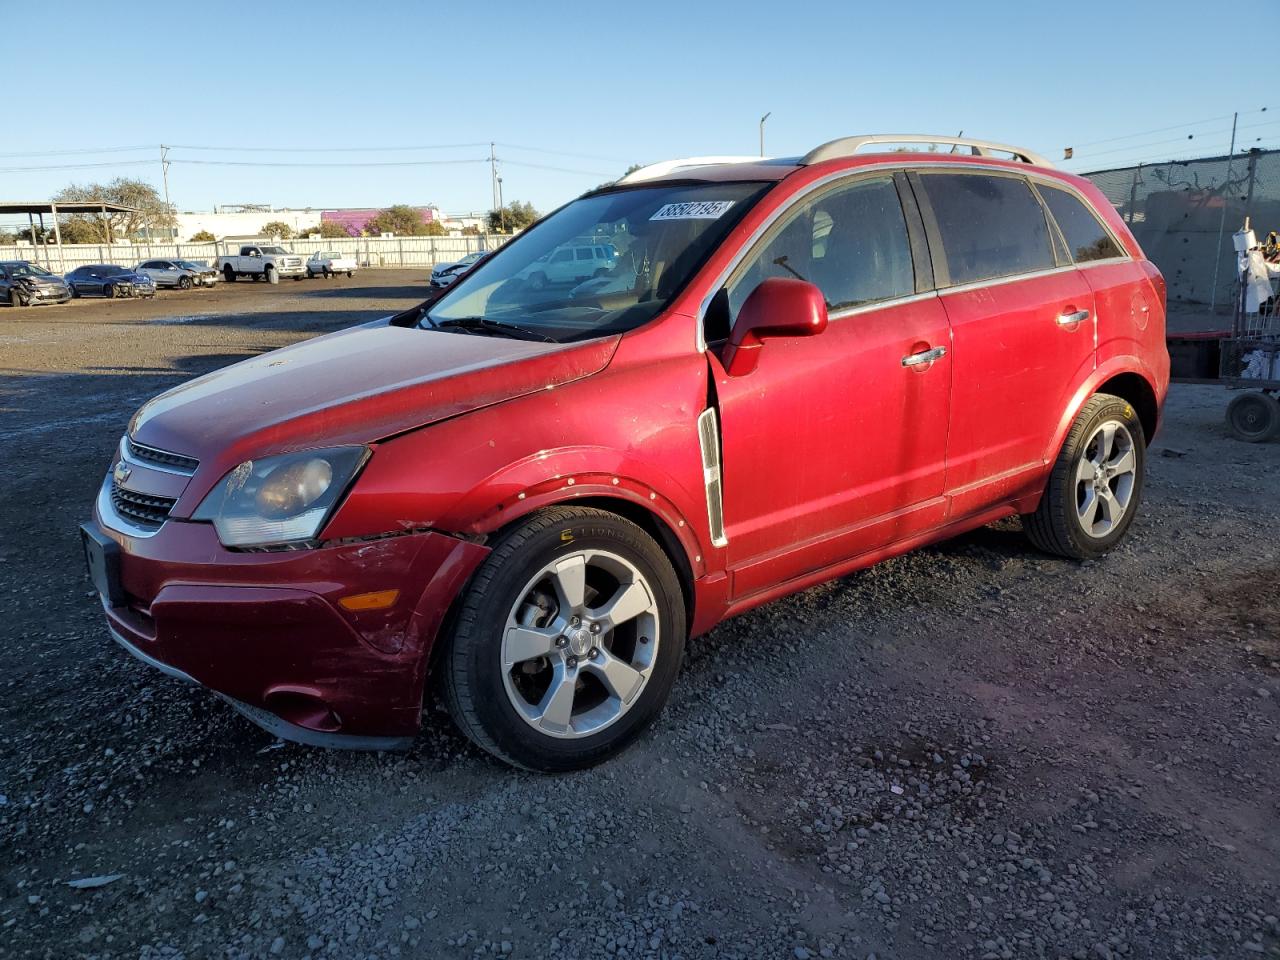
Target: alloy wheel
[[1105, 478], [579, 644]]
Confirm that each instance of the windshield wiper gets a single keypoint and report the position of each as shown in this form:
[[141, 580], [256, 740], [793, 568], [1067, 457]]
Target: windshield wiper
[[498, 328]]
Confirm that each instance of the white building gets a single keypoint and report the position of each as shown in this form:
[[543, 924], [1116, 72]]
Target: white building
[[247, 220]]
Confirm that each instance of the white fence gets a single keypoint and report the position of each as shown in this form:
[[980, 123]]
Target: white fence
[[369, 251]]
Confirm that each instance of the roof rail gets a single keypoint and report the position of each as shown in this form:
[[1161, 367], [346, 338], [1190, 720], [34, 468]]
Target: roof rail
[[848, 146], [654, 170]]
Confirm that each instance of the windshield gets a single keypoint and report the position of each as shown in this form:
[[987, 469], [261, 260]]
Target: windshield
[[26, 270], [603, 264], [274, 250], [112, 271], [190, 264]]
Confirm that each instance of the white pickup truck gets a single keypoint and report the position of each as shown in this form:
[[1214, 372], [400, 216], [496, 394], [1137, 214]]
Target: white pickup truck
[[269, 263]]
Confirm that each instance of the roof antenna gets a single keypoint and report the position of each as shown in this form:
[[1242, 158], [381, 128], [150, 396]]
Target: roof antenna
[[954, 145]]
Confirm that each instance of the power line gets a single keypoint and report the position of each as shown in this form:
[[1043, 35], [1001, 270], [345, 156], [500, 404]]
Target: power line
[[1176, 126], [79, 151], [373, 149], [327, 163], [76, 166]]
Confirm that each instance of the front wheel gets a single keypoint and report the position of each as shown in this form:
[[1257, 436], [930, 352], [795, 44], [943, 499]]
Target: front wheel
[[311, 274], [15, 298], [269, 275], [568, 641], [538, 281], [1096, 483], [184, 283], [351, 273], [1253, 417], [109, 291]]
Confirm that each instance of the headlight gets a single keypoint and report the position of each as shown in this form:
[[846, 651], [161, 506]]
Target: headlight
[[282, 499]]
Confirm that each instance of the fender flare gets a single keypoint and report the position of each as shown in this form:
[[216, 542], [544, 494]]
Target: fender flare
[[1113, 367], [575, 475]]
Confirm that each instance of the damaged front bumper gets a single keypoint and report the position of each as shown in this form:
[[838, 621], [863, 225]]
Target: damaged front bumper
[[269, 632]]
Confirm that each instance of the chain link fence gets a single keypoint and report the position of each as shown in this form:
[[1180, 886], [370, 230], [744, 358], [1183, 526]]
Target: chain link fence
[[1183, 213], [422, 252]]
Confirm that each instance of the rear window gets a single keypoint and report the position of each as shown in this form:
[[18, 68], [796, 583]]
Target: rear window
[[991, 226], [1086, 237]]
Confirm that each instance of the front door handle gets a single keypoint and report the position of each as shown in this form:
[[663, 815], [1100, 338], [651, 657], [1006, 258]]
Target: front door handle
[[924, 356], [1071, 319]]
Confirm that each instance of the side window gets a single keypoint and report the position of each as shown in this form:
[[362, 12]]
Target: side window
[[584, 253], [991, 226], [562, 256], [851, 242], [1086, 237]]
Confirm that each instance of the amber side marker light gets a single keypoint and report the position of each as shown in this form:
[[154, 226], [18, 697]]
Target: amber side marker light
[[378, 600]]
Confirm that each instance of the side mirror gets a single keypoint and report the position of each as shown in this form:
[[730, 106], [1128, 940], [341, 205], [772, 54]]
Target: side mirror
[[779, 307]]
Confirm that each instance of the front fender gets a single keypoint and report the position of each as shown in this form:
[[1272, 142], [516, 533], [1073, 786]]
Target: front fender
[[579, 473]]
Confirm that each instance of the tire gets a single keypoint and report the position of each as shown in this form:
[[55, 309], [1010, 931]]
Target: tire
[[499, 709], [15, 299], [1085, 510], [311, 275], [269, 274], [297, 278], [351, 273], [602, 272], [1253, 417], [110, 291], [184, 283], [228, 274], [538, 281]]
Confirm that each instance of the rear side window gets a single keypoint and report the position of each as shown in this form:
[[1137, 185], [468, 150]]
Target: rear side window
[[1087, 238], [584, 253], [850, 241], [991, 226]]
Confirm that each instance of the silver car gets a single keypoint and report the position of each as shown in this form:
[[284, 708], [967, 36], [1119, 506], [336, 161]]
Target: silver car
[[183, 274]]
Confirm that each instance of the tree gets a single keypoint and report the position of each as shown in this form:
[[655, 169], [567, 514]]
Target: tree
[[278, 229], [471, 230], [401, 219], [76, 230], [331, 230], [434, 228], [148, 211], [203, 236], [514, 216]]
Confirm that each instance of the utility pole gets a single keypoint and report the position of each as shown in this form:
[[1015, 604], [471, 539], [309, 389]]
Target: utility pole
[[502, 212], [493, 178], [1222, 221], [762, 120], [164, 173]]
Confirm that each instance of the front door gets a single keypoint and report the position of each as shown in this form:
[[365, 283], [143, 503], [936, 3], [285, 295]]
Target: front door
[[833, 445]]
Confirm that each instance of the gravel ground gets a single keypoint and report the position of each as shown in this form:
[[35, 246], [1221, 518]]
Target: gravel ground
[[972, 751]]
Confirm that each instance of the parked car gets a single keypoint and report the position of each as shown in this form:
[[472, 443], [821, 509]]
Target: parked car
[[569, 263], [822, 362], [327, 262], [24, 284], [183, 274], [109, 280], [262, 262], [445, 273]]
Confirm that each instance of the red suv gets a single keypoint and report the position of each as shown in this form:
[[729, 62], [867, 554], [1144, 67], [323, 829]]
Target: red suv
[[534, 493]]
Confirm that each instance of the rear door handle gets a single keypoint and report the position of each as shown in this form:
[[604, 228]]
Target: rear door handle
[[924, 356], [1071, 319]]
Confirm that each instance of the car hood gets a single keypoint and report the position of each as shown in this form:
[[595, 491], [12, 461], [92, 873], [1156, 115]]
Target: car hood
[[356, 386]]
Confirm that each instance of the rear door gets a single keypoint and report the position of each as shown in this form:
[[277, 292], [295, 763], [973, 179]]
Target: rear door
[[833, 446], [1022, 321]]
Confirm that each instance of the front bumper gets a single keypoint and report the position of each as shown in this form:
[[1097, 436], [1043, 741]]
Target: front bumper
[[267, 633], [48, 294]]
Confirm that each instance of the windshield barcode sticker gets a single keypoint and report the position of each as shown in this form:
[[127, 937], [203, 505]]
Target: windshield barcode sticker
[[694, 210]]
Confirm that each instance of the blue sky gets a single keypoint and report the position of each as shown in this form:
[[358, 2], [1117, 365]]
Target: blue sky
[[602, 85]]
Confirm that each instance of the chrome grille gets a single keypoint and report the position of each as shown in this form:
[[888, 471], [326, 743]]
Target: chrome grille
[[174, 462], [142, 508]]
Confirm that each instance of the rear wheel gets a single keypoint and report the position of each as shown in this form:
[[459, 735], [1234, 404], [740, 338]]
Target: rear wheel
[[311, 274], [184, 283], [228, 274], [1096, 483], [351, 273], [569, 639], [1253, 417]]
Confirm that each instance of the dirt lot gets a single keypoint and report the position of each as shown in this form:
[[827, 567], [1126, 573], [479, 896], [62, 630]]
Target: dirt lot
[[973, 751]]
